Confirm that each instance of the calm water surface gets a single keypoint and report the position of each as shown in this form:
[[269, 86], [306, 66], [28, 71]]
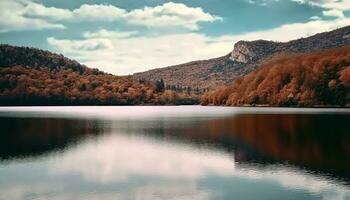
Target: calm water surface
[[186, 152]]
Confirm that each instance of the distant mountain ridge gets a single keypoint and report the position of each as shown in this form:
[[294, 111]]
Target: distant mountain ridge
[[245, 57]]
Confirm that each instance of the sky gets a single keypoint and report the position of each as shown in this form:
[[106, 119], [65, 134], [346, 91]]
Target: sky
[[127, 36]]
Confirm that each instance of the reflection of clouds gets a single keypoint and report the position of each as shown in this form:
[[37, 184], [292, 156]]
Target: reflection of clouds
[[146, 112], [50, 191], [295, 179], [177, 190], [122, 166], [18, 192], [168, 191], [119, 157], [166, 170], [121, 112]]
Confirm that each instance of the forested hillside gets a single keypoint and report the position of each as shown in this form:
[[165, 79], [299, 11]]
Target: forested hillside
[[246, 56], [301, 77], [30, 76], [306, 79]]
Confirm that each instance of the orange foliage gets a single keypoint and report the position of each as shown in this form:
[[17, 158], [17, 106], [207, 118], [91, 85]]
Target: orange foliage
[[31, 76], [308, 79]]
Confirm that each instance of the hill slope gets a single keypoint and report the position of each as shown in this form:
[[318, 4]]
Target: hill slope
[[36, 58], [304, 79], [245, 57], [30, 76]]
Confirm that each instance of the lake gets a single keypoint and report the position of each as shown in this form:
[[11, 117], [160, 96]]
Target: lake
[[183, 152]]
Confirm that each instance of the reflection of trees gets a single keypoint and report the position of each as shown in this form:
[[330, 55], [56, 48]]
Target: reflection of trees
[[32, 136], [317, 142]]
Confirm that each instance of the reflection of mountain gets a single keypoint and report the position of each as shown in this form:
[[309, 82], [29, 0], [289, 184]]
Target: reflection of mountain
[[316, 142], [319, 142], [21, 137]]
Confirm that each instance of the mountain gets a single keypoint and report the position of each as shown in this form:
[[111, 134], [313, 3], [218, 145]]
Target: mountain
[[303, 79], [30, 76], [36, 58], [245, 57]]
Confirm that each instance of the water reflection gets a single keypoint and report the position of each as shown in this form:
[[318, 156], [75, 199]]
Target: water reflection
[[315, 141], [22, 137], [242, 155]]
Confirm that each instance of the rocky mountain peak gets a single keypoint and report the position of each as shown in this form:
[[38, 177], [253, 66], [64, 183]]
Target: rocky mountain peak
[[244, 58], [241, 52], [251, 51]]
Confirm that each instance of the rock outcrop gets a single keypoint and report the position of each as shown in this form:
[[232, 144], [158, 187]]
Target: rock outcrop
[[250, 52], [245, 57]]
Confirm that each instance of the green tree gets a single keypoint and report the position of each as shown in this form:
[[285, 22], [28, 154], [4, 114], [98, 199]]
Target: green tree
[[160, 85]]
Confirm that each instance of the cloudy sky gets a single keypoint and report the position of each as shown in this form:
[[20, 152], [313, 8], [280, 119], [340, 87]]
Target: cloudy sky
[[127, 36]]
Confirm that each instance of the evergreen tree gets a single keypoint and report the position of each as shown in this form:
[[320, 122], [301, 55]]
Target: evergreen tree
[[160, 85]]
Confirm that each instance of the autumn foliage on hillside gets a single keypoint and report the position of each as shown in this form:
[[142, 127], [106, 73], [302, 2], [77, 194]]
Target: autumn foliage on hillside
[[308, 79], [31, 76], [205, 75]]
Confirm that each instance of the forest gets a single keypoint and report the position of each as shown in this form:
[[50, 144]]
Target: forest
[[318, 79], [245, 57], [30, 76]]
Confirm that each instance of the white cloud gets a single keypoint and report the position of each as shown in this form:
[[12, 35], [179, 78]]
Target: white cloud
[[132, 54], [333, 8], [35, 10], [103, 33], [327, 4], [261, 2], [25, 14], [98, 13], [296, 30], [333, 13], [125, 53], [165, 15], [315, 18], [14, 16], [83, 45], [170, 14]]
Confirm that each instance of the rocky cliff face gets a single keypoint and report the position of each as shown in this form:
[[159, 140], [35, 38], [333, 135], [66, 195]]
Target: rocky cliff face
[[242, 53], [245, 57], [248, 52]]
